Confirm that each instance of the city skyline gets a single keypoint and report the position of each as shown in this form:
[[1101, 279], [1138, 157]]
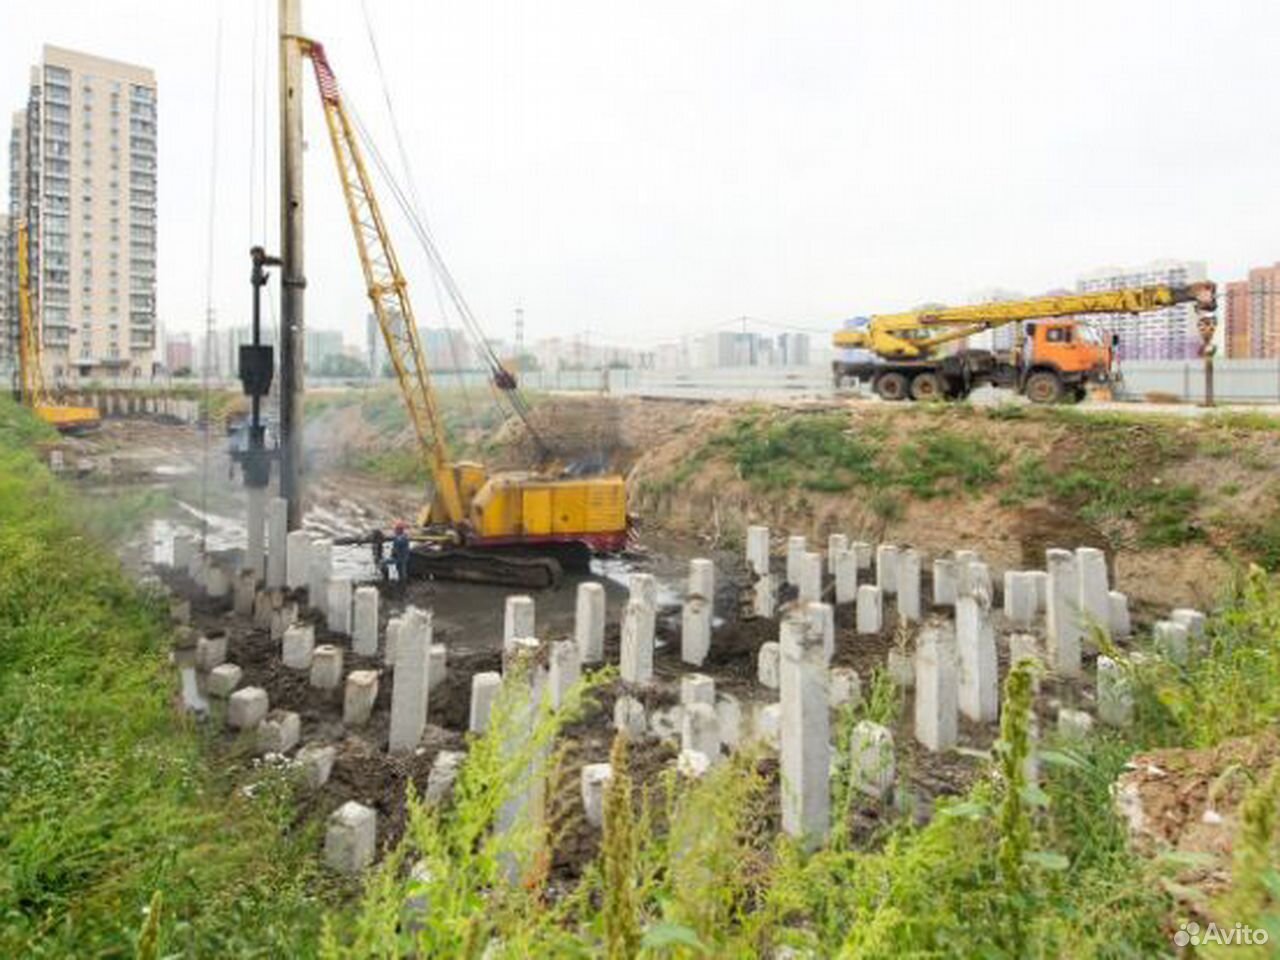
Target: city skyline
[[665, 169]]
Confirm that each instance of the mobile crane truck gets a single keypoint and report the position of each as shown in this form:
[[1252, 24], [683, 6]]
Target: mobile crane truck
[[1053, 359]]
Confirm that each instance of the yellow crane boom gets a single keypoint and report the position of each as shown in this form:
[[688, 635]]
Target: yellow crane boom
[[31, 386], [30, 374], [386, 286]]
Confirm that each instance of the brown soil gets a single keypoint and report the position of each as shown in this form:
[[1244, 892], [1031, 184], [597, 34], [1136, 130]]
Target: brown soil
[[1188, 801]]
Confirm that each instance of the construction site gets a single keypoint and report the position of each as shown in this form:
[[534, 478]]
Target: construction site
[[971, 650]]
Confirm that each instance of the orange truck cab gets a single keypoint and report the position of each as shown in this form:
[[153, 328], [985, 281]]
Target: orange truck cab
[[1061, 357]]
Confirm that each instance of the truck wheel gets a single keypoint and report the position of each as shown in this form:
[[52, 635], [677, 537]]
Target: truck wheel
[[926, 386], [1044, 386], [891, 386]]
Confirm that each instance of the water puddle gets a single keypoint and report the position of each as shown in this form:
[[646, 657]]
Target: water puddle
[[617, 570], [172, 470]]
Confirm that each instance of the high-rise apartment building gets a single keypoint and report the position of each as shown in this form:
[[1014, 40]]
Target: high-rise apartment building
[[8, 321], [1252, 315], [83, 177], [17, 202], [1166, 334]]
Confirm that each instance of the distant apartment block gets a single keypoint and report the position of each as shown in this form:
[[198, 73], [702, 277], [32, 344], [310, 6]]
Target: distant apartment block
[[1251, 315], [579, 353], [318, 346], [1166, 334], [728, 348], [446, 348], [179, 353], [83, 177]]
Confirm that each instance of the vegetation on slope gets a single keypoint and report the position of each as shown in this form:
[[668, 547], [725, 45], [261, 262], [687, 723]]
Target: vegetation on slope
[[116, 836], [1141, 481]]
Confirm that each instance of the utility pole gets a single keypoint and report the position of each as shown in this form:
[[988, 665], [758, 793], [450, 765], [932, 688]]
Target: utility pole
[[293, 275], [1207, 325]]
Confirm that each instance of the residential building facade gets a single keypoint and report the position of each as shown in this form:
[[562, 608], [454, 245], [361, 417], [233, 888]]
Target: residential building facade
[[1170, 333], [1251, 315], [83, 176]]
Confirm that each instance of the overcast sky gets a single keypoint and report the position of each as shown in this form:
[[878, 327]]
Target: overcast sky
[[645, 169]]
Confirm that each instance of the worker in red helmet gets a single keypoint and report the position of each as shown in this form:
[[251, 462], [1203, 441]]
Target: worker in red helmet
[[400, 553]]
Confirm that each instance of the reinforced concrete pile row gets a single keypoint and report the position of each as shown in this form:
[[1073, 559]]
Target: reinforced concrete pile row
[[1048, 615]]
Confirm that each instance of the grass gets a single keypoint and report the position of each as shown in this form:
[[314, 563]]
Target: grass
[[820, 453], [1233, 688], [113, 819], [824, 453]]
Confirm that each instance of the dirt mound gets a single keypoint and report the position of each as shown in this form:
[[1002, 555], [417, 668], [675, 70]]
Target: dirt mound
[[1188, 801], [1173, 502]]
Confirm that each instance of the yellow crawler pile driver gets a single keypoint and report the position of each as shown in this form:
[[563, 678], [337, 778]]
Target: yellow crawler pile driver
[[31, 389], [1054, 356], [516, 528]]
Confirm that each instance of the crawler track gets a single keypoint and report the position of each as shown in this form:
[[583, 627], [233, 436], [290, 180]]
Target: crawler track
[[486, 566]]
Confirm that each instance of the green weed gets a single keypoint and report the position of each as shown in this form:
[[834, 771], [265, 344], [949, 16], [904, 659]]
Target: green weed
[[109, 808]]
